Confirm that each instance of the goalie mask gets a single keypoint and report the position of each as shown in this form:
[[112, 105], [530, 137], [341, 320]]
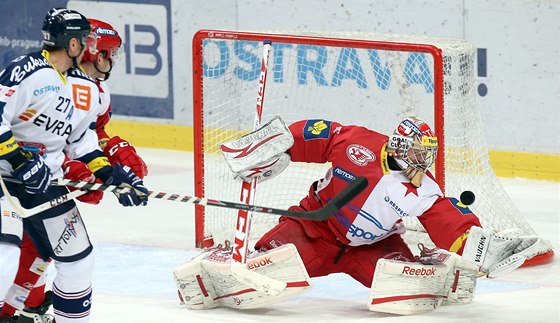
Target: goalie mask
[[414, 146]]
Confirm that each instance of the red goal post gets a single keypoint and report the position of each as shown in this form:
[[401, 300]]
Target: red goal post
[[353, 78]]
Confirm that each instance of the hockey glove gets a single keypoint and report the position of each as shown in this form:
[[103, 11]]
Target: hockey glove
[[34, 174], [121, 151], [125, 175], [499, 253], [261, 153], [78, 171]]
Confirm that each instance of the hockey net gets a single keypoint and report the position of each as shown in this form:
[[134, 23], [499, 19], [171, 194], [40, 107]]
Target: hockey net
[[354, 78]]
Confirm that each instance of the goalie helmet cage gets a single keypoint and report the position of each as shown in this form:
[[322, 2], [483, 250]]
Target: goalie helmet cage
[[364, 79]]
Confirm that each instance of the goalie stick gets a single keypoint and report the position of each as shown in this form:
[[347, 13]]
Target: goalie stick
[[321, 214], [240, 243]]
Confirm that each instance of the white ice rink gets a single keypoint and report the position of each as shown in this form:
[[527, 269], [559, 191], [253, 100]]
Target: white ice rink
[[137, 248]]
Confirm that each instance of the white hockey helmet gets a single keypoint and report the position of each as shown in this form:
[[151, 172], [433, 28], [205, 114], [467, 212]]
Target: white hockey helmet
[[415, 144]]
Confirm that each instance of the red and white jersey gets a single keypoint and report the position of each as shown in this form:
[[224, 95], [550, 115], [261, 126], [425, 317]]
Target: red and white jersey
[[105, 96], [105, 116], [357, 151]]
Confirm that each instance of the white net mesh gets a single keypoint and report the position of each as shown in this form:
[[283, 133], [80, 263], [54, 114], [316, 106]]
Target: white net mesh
[[351, 84]]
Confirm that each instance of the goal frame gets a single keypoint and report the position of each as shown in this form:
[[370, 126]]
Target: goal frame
[[201, 241]]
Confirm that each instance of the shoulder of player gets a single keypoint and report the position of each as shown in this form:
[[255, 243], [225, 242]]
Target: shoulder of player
[[363, 136], [23, 67], [103, 87], [76, 73]]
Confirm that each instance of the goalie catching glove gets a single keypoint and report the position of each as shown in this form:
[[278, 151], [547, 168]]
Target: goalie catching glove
[[499, 253], [260, 154]]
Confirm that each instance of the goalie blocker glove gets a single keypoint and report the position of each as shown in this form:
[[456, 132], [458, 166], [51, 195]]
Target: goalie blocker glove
[[499, 253], [260, 154]]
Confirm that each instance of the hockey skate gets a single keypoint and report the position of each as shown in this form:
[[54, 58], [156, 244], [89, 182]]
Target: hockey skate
[[37, 314]]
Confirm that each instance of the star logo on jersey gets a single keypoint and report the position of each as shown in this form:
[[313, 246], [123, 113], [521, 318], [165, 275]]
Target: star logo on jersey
[[410, 188]]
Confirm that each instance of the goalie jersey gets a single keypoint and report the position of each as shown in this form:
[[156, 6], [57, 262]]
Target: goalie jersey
[[378, 211], [49, 111]]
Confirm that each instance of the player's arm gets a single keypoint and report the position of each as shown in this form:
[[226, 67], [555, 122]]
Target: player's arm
[[314, 140], [28, 167], [447, 222], [85, 149], [118, 150], [100, 124]]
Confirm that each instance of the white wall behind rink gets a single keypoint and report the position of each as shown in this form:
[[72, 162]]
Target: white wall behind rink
[[521, 108]]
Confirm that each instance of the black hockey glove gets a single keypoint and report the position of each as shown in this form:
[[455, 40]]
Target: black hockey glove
[[124, 175], [34, 174]]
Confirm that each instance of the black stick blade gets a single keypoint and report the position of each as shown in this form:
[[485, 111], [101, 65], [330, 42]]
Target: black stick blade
[[345, 196]]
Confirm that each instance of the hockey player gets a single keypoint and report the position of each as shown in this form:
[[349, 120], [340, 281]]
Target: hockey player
[[363, 239], [97, 62], [50, 109]]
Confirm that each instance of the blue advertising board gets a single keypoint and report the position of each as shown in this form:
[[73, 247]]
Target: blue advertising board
[[142, 81]]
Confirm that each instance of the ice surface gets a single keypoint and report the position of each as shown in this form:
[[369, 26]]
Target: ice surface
[[137, 248]]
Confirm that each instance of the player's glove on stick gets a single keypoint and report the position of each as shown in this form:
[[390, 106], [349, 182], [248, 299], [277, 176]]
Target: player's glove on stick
[[125, 175], [121, 151], [78, 171], [34, 174]]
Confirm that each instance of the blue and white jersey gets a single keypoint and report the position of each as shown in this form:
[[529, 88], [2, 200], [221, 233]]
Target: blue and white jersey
[[43, 108]]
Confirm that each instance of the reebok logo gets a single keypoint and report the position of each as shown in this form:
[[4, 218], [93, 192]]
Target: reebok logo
[[259, 263], [418, 271]]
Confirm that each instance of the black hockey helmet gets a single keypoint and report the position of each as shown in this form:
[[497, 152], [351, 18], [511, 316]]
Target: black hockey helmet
[[61, 25]]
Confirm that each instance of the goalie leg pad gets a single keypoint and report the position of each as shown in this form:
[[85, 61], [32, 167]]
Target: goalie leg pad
[[206, 281], [461, 275], [407, 288], [461, 283]]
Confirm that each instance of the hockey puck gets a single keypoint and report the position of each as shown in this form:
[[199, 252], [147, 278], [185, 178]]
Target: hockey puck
[[467, 197]]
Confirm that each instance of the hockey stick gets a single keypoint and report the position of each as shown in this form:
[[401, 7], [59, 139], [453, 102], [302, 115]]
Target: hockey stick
[[321, 214], [240, 243], [25, 213]]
